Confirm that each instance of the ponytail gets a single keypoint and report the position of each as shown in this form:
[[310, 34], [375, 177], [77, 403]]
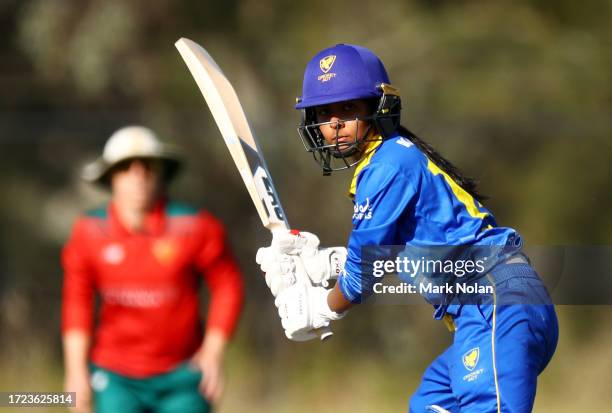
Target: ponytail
[[468, 184]]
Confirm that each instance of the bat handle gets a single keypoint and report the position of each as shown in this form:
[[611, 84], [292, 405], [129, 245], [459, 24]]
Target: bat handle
[[324, 333]]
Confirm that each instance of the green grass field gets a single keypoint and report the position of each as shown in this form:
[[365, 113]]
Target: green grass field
[[296, 381]]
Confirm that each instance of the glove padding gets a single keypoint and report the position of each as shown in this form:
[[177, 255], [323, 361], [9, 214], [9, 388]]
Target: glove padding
[[277, 260], [324, 264], [280, 270], [303, 308]]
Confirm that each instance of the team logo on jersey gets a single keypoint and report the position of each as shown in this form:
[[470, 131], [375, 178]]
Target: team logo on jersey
[[164, 251], [113, 254], [326, 64], [363, 211], [470, 359]]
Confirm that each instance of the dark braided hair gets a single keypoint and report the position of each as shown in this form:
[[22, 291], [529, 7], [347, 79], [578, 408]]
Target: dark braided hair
[[468, 184]]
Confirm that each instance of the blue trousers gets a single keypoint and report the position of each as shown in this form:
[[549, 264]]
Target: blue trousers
[[498, 351]]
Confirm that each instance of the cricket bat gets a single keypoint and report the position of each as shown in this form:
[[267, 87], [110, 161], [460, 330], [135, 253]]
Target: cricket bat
[[238, 136]]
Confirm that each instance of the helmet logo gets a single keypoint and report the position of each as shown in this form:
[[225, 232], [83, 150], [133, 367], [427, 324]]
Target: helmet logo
[[326, 64]]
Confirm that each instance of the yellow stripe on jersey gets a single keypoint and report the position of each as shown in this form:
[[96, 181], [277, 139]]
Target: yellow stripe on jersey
[[369, 150], [462, 195]]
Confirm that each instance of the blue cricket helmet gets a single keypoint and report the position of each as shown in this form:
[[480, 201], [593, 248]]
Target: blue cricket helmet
[[342, 72], [337, 74]]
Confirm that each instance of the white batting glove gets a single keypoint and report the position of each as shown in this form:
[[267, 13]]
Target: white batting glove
[[303, 309], [279, 269], [320, 265], [293, 242], [324, 264]]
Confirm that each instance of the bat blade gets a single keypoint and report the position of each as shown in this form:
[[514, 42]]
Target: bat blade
[[236, 131], [238, 136]]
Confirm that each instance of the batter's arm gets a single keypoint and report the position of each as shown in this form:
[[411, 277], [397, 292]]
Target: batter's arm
[[336, 300]]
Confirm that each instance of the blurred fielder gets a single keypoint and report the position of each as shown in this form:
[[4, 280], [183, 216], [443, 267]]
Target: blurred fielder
[[143, 256]]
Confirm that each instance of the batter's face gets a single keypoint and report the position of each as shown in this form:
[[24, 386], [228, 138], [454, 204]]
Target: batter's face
[[344, 126], [136, 183]]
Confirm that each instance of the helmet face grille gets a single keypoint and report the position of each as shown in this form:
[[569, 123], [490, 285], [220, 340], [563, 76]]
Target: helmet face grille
[[333, 157]]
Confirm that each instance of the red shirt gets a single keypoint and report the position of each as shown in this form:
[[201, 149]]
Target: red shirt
[[148, 320]]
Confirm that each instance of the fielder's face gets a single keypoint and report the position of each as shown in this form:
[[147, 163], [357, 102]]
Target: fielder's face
[[136, 182], [343, 124]]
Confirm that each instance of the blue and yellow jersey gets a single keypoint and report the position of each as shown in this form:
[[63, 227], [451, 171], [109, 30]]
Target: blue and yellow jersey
[[402, 198]]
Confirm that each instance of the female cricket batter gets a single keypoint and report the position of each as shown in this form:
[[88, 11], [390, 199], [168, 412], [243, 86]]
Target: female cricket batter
[[405, 193], [143, 256]]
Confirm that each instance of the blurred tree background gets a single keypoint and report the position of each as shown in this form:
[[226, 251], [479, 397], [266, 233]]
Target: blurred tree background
[[518, 94]]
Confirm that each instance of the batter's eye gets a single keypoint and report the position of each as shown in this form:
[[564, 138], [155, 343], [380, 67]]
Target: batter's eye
[[322, 112]]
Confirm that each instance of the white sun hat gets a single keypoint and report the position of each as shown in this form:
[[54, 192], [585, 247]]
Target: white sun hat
[[131, 142]]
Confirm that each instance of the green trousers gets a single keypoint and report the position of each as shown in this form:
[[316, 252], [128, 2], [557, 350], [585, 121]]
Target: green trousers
[[175, 391]]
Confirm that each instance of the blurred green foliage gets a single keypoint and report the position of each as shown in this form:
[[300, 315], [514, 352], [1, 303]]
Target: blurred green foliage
[[518, 94]]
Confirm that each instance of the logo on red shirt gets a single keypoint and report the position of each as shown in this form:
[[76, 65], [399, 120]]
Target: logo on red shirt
[[113, 254], [164, 251]]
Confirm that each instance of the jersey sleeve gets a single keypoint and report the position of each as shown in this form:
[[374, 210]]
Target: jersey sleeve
[[222, 276], [384, 195], [78, 286]]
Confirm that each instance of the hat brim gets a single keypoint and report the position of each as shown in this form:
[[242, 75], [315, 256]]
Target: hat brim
[[326, 99], [99, 170]]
